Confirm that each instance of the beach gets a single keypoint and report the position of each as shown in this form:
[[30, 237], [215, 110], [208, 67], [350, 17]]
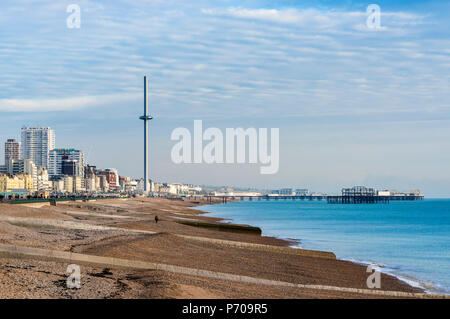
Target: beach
[[123, 253]]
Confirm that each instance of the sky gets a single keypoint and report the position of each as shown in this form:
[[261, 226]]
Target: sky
[[354, 105]]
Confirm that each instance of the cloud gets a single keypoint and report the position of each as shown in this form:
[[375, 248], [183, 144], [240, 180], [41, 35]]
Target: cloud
[[219, 62], [312, 18], [64, 104]]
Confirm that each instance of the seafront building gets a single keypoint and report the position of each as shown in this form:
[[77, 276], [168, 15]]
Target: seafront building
[[103, 184], [78, 184], [90, 184], [17, 167], [58, 186], [12, 150], [36, 144], [109, 179], [35, 168], [168, 189], [68, 184], [65, 161], [17, 183], [43, 183]]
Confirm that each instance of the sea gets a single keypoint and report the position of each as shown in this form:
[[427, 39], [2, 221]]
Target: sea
[[407, 239]]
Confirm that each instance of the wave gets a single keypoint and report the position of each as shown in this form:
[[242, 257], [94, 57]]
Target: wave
[[427, 286]]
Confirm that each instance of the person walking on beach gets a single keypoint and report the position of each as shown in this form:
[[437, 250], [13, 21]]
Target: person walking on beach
[[156, 219]]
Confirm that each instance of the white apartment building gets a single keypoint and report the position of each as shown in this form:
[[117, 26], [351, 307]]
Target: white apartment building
[[36, 144]]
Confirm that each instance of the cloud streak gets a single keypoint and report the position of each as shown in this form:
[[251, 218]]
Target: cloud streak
[[64, 104], [314, 19], [217, 59]]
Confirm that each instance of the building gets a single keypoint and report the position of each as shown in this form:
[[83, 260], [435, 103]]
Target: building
[[302, 192], [124, 182], [68, 184], [112, 178], [286, 191], [12, 150], [140, 186], [90, 184], [36, 144], [116, 174], [78, 186], [17, 167], [168, 189], [11, 184], [43, 183], [97, 183], [89, 171], [58, 155], [69, 167], [132, 186], [103, 184], [187, 189], [58, 185]]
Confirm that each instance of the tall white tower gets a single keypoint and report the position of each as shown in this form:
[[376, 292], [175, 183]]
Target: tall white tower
[[146, 118], [36, 144]]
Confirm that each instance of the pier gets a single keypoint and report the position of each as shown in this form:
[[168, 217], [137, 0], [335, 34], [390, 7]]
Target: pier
[[354, 195], [364, 195], [226, 198], [358, 195]]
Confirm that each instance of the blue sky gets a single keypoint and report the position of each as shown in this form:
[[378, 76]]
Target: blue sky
[[353, 105]]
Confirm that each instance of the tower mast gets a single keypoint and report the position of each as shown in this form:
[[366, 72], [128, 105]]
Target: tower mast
[[146, 118]]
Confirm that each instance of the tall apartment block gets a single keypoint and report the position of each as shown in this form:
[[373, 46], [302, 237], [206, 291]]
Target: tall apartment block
[[12, 150], [36, 144]]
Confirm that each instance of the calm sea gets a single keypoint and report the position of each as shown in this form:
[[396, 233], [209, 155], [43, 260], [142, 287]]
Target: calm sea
[[410, 240]]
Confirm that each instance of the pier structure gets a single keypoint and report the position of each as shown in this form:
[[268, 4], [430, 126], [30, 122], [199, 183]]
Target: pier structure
[[226, 198], [358, 195], [354, 195], [364, 195]]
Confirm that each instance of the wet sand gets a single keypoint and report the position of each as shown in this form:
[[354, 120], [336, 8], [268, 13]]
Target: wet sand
[[126, 229]]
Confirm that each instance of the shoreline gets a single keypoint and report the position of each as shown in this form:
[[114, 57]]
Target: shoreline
[[179, 259], [295, 243], [412, 281]]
